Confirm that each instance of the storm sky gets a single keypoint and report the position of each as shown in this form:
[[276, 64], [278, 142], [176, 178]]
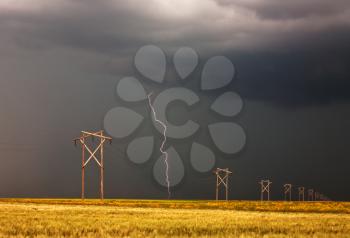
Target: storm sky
[[60, 62]]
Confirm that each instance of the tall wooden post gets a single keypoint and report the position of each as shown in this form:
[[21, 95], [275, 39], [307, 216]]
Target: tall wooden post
[[101, 167], [226, 187], [82, 170], [217, 188], [222, 178], [93, 154]]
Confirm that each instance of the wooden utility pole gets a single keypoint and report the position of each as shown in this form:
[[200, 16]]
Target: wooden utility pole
[[222, 178], [265, 188], [93, 154], [287, 192], [301, 193], [310, 194]]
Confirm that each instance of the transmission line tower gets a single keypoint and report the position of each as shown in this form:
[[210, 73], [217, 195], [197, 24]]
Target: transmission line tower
[[93, 154], [265, 188], [317, 196], [301, 193], [288, 192], [310, 195], [222, 178]]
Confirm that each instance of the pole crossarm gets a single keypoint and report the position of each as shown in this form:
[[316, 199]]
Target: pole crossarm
[[93, 154], [86, 134], [222, 170]]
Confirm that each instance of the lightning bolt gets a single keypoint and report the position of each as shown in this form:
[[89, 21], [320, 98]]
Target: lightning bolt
[[161, 148]]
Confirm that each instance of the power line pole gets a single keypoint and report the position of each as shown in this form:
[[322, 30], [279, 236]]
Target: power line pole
[[93, 154], [265, 187], [310, 194], [288, 191], [317, 196], [222, 178], [301, 193]]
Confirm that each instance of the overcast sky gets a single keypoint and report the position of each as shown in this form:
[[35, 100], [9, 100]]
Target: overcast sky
[[60, 61]]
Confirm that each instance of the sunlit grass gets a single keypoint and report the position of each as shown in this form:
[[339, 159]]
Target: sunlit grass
[[153, 218]]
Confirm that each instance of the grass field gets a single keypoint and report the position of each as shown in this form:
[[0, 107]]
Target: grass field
[[163, 218]]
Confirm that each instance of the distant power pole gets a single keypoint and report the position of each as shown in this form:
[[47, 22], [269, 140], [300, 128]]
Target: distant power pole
[[317, 196], [265, 188], [287, 192], [301, 193], [93, 154], [222, 178], [310, 194]]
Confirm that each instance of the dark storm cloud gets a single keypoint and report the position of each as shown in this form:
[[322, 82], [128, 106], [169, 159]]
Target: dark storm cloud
[[114, 25], [115, 29], [97, 28], [294, 79], [275, 9]]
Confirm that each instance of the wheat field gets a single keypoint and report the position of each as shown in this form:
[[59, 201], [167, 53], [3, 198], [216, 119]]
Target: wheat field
[[171, 218]]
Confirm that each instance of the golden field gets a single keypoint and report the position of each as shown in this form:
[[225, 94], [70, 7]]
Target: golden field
[[175, 218]]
